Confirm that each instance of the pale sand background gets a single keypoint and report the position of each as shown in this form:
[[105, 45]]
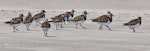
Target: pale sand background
[[71, 39]]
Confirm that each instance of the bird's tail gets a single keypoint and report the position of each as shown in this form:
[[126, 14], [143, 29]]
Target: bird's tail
[[53, 18], [7, 22], [125, 24], [94, 20]]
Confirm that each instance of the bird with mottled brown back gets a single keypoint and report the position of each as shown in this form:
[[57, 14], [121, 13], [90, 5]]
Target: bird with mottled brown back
[[134, 23], [39, 16], [15, 22], [68, 14], [78, 20], [28, 20], [58, 21], [104, 20], [45, 26]]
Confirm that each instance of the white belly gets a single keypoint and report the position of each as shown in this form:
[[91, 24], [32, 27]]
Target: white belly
[[45, 29], [65, 18], [79, 22], [104, 23], [28, 24], [70, 17], [135, 26]]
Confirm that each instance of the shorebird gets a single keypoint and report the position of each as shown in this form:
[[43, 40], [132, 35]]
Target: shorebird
[[39, 16], [104, 20], [15, 22], [134, 23], [28, 20], [45, 27], [78, 20], [69, 14], [58, 21]]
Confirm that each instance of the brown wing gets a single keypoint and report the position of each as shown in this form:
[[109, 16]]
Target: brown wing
[[15, 21], [134, 22], [45, 25], [59, 17], [79, 18], [39, 15], [16, 18], [103, 18], [68, 13], [27, 19], [57, 20]]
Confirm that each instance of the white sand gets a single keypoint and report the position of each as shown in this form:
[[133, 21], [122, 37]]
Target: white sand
[[70, 39]]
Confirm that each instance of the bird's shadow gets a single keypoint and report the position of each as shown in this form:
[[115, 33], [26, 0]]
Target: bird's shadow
[[34, 30], [3, 33], [50, 36]]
